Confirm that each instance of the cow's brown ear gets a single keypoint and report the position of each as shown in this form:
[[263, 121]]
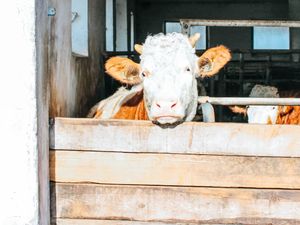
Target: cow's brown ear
[[124, 70], [212, 60], [239, 110]]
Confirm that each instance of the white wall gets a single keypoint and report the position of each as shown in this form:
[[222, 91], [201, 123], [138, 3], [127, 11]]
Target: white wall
[[19, 195]]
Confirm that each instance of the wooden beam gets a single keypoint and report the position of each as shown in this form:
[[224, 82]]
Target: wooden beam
[[114, 222], [175, 205], [170, 169], [189, 137], [241, 23]]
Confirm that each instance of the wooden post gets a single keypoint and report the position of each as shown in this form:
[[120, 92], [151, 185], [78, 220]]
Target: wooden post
[[24, 109]]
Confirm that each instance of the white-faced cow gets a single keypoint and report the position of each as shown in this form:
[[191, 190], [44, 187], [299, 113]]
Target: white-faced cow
[[270, 114], [164, 83]]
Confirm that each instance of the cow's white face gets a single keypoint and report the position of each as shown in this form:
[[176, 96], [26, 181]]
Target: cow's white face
[[167, 72], [262, 114]]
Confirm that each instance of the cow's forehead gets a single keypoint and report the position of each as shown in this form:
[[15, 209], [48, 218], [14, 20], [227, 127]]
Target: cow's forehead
[[161, 50], [166, 42], [176, 59]]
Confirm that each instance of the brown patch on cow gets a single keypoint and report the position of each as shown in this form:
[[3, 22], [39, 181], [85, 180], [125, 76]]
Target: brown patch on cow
[[289, 114], [97, 114], [133, 109], [269, 120]]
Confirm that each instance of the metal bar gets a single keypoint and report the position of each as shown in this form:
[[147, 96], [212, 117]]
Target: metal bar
[[241, 74], [185, 29], [248, 101], [240, 23], [259, 52], [114, 25], [208, 113]]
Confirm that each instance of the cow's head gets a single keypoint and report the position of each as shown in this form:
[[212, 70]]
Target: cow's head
[[168, 71], [257, 113]]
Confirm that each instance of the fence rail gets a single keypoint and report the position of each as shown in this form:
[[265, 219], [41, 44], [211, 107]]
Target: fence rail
[[248, 101], [209, 113], [187, 23]]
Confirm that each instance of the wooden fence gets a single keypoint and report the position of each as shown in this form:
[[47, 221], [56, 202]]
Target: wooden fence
[[133, 172]]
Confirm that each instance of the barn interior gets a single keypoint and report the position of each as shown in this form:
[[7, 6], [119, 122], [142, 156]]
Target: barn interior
[[136, 173], [103, 28]]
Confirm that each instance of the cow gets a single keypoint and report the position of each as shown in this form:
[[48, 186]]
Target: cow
[[164, 85], [270, 114]]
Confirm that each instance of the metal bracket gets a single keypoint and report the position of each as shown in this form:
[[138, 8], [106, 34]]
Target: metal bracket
[[51, 11], [74, 16], [185, 28]]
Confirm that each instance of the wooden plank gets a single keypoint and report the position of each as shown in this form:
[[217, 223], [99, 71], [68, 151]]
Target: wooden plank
[[124, 222], [114, 222], [182, 205], [189, 137], [170, 169]]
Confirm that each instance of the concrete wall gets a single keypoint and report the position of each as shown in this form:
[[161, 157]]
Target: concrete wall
[[75, 83], [24, 124], [150, 16]]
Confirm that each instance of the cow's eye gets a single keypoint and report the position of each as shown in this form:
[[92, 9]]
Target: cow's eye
[[145, 74]]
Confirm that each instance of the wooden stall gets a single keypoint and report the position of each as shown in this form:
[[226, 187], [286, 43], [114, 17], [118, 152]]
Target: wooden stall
[[134, 172]]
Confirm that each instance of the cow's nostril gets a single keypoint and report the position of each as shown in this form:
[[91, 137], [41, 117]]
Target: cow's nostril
[[172, 106], [158, 105]]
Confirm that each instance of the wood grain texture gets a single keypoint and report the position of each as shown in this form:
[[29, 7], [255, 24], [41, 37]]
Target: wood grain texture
[[168, 169], [42, 90], [76, 83], [175, 205], [124, 222], [114, 222], [189, 137]]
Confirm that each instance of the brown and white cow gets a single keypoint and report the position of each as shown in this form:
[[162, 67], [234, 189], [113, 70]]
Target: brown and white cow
[[164, 82], [270, 114]]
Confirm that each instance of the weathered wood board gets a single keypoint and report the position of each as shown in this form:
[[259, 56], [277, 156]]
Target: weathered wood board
[[115, 222], [116, 172], [124, 222], [175, 204], [174, 169], [190, 137], [76, 83]]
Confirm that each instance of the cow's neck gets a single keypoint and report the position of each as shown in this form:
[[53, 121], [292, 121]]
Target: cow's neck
[[133, 109], [288, 115]]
